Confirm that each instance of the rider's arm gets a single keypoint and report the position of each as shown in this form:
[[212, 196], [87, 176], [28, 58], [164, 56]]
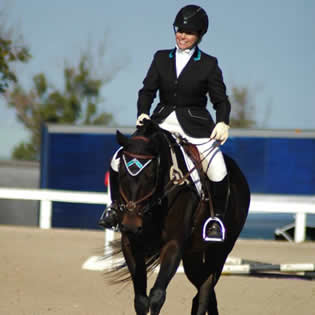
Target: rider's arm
[[217, 94], [148, 92]]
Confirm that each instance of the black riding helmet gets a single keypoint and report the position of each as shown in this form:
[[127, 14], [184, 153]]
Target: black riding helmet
[[191, 18]]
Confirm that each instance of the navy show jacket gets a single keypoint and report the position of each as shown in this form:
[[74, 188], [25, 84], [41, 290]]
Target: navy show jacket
[[187, 94]]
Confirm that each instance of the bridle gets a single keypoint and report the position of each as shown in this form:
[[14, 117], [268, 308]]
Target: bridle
[[133, 205]]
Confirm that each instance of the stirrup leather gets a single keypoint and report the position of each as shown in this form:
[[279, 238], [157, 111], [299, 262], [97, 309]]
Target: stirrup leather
[[213, 239]]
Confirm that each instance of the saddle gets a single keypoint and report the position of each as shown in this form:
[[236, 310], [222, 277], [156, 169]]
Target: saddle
[[192, 152]]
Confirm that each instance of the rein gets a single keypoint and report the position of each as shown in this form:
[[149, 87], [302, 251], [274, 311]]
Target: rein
[[197, 164]]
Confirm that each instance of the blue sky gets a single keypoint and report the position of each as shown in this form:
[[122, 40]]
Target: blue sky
[[268, 46]]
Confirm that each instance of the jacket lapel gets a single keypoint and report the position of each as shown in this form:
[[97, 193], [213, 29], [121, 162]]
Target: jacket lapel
[[172, 58], [194, 58], [190, 64]]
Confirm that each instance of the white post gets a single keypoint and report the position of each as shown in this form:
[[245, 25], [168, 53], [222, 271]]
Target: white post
[[109, 237], [45, 214], [109, 234], [300, 226]]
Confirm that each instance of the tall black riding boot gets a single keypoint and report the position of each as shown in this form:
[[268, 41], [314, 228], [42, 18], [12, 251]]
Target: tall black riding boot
[[214, 229], [109, 217]]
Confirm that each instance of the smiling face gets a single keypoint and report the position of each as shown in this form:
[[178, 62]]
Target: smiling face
[[186, 40]]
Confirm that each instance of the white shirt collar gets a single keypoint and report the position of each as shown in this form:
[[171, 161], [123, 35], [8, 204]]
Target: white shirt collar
[[189, 52]]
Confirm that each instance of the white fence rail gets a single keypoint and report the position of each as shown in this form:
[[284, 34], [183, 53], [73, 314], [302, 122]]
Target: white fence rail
[[47, 196], [298, 205]]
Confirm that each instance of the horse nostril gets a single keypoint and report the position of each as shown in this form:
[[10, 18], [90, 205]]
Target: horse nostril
[[130, 228]]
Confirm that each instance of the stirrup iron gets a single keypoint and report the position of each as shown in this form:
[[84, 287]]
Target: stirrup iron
[[213, 239]]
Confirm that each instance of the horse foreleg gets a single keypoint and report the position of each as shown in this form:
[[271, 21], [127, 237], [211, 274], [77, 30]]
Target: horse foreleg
[[137, 268], [195, 304], [141, 300], [206, 298], [212, 305], [169, 261]]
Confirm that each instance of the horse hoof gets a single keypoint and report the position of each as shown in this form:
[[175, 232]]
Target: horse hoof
[[141, 305], [157, 299]]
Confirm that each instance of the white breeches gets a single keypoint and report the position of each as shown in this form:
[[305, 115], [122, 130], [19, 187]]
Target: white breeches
[[213, 162]]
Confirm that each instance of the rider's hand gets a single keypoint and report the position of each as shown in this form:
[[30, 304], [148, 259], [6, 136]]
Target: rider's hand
[[141, 118], [220, 132]]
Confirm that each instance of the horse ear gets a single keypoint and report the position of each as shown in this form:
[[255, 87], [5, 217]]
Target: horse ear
[[121, 139]]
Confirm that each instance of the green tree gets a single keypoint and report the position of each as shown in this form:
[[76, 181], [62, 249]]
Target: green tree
[[76, 103], [242, 108], [12, 50]]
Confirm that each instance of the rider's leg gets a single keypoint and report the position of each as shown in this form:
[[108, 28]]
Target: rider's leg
[[215, 168], [109, 218], [215, 231]]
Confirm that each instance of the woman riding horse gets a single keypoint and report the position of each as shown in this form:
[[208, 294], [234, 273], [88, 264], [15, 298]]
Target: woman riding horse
[[184, 76]]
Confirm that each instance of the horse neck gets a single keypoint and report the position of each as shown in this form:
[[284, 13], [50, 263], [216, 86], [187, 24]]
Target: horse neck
[[161, 142], [165, 156]]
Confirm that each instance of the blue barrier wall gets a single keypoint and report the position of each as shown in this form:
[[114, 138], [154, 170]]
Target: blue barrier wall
[[74, 158], [275, 165], [77, 158]]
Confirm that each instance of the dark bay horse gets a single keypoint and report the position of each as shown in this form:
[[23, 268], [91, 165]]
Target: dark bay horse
[[161, 222]]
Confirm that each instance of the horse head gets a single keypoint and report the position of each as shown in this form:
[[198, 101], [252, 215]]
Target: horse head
[[138, 177]]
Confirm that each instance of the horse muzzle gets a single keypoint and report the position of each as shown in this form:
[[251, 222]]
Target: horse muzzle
[[131, 229], [131, 224]]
